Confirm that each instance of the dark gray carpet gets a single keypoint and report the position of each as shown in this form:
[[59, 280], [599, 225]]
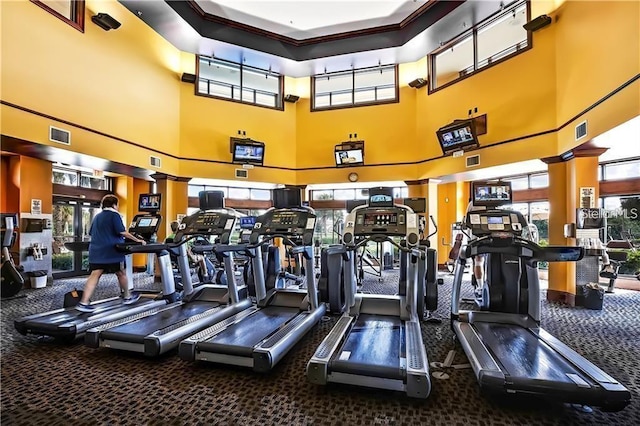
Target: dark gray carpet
[[47, 383]]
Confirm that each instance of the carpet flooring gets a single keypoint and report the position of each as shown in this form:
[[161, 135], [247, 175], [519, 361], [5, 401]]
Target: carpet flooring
[[44, 382]]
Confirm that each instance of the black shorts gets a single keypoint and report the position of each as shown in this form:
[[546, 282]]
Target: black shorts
[[109, 268]]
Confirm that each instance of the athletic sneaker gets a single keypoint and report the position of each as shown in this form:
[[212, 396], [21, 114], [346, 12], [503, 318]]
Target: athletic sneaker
[[85, 308], [608, 272], [133, 298]]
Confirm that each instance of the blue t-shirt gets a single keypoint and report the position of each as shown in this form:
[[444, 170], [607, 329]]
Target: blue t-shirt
[[105, 233]]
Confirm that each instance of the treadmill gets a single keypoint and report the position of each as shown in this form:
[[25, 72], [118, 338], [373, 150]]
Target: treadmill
[[508, 350], [377, 343], [68, 324], [259, 337], [159, 331]]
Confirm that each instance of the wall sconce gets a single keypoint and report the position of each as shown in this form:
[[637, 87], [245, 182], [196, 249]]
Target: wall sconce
[[105, 21], [418, 83], [291, 98], [540, 22]]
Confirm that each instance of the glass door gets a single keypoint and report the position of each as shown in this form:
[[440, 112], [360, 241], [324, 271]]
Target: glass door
[[71, 222]]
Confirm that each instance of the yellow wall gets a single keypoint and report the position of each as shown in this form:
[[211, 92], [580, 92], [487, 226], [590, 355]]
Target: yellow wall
[[206, 124], [388, 131], [123, 83], [126, 83], [597, 50]]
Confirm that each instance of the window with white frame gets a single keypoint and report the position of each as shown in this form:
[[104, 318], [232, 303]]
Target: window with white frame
[[498, 38], [238, 82], [358, 87], [621, 170]]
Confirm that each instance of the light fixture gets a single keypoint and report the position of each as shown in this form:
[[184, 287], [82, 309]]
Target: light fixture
[[418, 83], [105, 21], [538, 23]]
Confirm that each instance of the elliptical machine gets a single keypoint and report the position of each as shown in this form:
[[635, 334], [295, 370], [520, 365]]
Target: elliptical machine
[[428, 281]]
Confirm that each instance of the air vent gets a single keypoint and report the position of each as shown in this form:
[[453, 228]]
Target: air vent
[[473, 161], [242, 173], [59, 135], [581, 130], [154, 161]]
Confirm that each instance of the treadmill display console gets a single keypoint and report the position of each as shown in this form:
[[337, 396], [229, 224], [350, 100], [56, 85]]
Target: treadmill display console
[[208, 223], [390, 222], [145, 225], [286, 222], [485, 222]]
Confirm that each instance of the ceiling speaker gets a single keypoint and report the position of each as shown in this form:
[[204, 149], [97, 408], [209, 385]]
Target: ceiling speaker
[[105, 21], [418, 83], [540, 22], [188, 78], [291, 98]]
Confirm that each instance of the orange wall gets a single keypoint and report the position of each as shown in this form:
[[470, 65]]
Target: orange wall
[[35, 183], [4, 167]]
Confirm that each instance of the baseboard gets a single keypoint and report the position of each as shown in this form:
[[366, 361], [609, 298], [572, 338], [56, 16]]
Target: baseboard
[[561, 297]]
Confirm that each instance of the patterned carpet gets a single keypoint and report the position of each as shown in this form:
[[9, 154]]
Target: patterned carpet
[[47, 383]]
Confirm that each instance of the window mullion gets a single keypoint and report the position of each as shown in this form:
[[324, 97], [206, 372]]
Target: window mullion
[[353, 87]]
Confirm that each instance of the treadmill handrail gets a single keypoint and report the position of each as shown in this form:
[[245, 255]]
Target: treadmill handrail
[[414, 251], [517, 246]]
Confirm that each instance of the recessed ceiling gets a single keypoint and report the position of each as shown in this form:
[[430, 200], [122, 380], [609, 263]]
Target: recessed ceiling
[[333, 35], [312, 18]]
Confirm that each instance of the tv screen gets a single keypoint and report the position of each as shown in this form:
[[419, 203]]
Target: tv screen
[[284, 198], [149, 202], [352, 204], [491, 193], [247, 222], [350, 157], [381, 197], [418, 205], [246, 151], [349, 154], [457, 136], [145, 222], [209, 200]]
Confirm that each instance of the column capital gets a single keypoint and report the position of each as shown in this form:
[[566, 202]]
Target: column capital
[[587, 149], [163, 176], [417, 182]]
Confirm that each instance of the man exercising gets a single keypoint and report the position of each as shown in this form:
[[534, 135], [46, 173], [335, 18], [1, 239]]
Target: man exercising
[[107, 230]]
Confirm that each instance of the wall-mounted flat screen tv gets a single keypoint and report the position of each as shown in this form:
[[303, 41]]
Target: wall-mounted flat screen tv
[[349, 154], [418, 205], [458, 136], [149, 202], [491, 194], [285, 198], [247, 151]]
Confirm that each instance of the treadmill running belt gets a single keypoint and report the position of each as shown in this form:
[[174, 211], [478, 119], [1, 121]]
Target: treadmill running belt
[[71, 317], [373, 347], [522, 354], [136, 331], [240, 338]]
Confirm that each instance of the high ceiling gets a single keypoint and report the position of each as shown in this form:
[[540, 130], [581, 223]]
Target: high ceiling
[[304, 37], [304, 19]]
